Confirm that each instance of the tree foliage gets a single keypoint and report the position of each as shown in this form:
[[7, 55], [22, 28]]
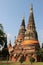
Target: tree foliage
[[32, 59], [22, 59], [3, 39]]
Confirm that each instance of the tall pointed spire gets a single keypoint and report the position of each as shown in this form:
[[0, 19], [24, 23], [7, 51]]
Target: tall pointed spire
[[23, 21], [21, 31], [31, 29], [22, 26], [31, 8], [31, 18]]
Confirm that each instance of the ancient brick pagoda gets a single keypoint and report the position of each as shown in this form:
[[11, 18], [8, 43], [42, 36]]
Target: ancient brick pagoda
[[26, 43]]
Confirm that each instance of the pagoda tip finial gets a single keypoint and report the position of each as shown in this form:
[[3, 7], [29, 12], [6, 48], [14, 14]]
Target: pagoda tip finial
[[31, 8], [23, 17]]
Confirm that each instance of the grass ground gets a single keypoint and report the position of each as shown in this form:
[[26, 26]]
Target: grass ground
[[18, 63]]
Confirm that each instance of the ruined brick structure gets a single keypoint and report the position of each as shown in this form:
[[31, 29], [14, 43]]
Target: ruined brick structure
[[26, 43]]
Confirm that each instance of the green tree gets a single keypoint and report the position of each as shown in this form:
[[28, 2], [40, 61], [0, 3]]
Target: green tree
[[3, 43], [38, 53], [41, 57], [1, 35], [38, 56], [32, 59], [22, 59]]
